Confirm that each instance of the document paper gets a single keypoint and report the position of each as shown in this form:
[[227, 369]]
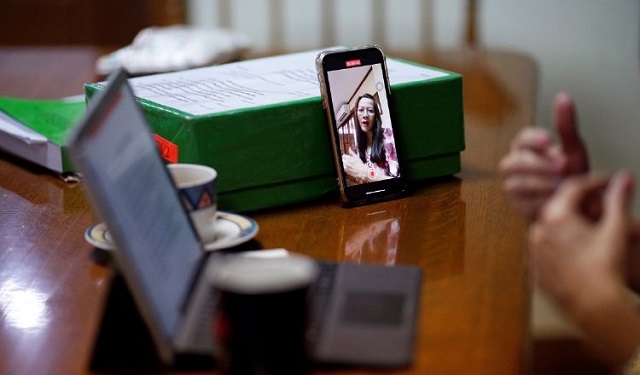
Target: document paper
[[251, 83]]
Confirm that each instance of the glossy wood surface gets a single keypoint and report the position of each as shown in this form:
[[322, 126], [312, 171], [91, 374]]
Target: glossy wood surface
[[459, 230]]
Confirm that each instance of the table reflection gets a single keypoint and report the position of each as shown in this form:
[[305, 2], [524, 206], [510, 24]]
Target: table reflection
[[443, 238], [374, 241], [23, 308], [433, 231]]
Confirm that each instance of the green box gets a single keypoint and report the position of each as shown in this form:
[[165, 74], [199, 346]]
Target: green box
[[279, 153]]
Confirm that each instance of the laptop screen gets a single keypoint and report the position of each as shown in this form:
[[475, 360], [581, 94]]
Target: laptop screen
[[158, 249]]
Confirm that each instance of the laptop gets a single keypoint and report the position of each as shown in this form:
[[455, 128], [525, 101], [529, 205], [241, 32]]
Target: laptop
[[363, 314]]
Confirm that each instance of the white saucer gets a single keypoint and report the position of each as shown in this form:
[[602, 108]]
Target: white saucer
[[231, 230]]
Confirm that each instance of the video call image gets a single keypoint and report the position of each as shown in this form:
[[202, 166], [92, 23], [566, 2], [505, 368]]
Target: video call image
[[365, 132]]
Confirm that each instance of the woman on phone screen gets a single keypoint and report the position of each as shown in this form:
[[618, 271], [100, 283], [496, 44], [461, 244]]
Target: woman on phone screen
[[375, 160]]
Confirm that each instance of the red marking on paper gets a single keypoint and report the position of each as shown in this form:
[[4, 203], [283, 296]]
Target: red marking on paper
[[168, 150]]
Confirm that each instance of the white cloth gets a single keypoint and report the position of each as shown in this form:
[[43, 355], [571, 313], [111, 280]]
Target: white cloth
[[172, 48]]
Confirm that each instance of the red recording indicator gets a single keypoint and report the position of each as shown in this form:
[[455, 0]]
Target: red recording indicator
[[350, 63]]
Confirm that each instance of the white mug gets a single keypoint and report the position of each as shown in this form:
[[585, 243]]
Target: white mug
[[197, 189]]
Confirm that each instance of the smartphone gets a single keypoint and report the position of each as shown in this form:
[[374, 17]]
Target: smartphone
[[357, 100]]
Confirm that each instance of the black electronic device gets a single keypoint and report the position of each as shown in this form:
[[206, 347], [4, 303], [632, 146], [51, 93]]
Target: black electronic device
[[357, 99]]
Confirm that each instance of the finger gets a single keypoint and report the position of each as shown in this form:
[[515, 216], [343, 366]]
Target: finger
[[571, 195], [535, 139], [558, 160], [617, 202], [567, 127], [530, 162]]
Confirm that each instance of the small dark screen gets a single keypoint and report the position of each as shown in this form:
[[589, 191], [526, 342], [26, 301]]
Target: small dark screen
[[373, 308]]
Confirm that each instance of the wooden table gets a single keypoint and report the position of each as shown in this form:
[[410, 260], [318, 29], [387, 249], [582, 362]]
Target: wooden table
[[474, 310]]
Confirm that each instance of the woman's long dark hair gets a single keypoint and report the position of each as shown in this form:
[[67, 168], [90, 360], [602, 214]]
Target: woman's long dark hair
[[378, 154]]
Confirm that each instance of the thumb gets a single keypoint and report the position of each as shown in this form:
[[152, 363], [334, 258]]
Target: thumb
[[573, 148]]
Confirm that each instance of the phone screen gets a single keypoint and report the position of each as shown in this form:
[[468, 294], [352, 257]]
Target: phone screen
[[357, 99]]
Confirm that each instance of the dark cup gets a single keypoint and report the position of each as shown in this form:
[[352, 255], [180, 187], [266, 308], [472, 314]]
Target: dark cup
[[260, 322]]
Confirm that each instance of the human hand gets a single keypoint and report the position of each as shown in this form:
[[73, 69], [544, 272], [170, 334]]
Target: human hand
[[534, 165], [581, 262], [571, 250], [354, 167]]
